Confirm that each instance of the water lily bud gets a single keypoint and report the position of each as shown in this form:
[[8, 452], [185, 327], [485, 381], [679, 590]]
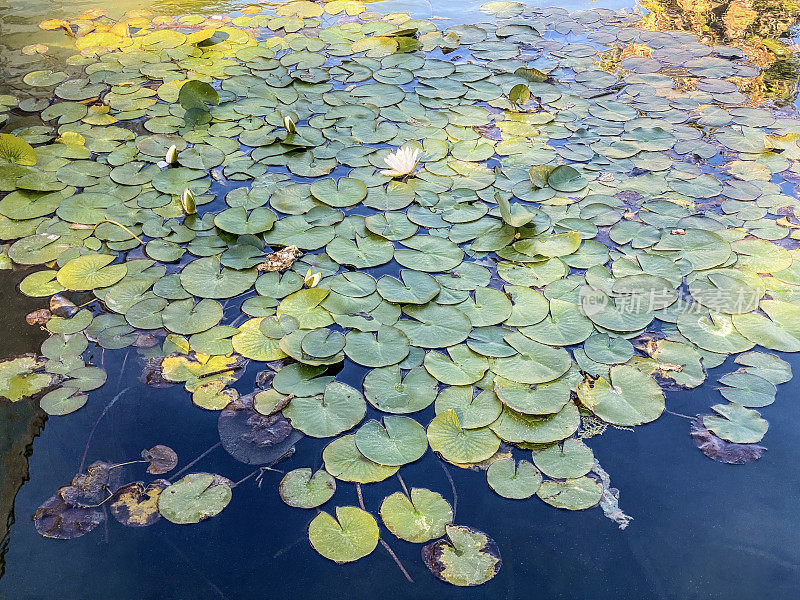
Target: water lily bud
[[311, 279], [289, 123], [172, 155], [187, 202]]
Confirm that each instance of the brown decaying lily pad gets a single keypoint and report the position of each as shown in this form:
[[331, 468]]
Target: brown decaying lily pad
[[60, 520], [434, 559], [74, 510], [136, 505], [251, 437], [162, 459], [722, 451]]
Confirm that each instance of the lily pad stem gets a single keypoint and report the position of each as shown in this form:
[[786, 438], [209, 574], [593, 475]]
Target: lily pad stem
[[130, 462], [217, 372], [402, 484], [360, 497], [202, 456], [679, 414], [397, 560], [259, 471], [138, 239], [110, 496], [383, 543], [452, 487], [96, 423]]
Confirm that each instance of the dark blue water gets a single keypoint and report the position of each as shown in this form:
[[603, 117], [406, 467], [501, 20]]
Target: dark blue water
[[701, 529]]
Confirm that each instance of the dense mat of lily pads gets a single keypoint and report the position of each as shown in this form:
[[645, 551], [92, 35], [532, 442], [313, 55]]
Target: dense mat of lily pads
[[525, 230]]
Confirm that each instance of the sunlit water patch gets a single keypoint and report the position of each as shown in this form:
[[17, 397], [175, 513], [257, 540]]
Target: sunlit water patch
[[367, 243]]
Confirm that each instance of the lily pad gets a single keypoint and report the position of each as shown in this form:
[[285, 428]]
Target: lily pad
[[419, 517], [340, 408], [390, 391], [395, 442], [136, 504], [455, 444], [194, 498], [736, 424], [351, 535], [467, 558], [571, 494], [514, 480], [303, 489], [343, 460], [629, 398], [569, 460]]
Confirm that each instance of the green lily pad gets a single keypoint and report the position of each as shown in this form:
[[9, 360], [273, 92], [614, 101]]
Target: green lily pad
[[194, 498], [736, 423], [303, 489], [473, 411], [747, 389], [514, 480], [387, 347], [629, 398], [342, 193], [303, 305], [413, 287], [390, 391], [467, 558], [419, 517], [16, 150], [396, 442], [339, 409], [237, 220], [455, 444], [461, 365], [434, 326], [187, 318], [197, 95], [62, 401], [353, 534], [429, 254], [571, 494], [535, 363], [770, 367], [569, 460], [91, 271], [343, 460], [542, 399], [207, 278], [515, 427]]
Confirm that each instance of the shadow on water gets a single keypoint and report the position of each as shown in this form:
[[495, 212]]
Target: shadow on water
[[20, 422]]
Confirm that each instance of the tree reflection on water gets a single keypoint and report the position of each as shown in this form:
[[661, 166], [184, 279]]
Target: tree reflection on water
[[760, 28]]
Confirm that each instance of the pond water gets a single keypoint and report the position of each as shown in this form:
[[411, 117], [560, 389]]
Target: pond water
[[700, 528]]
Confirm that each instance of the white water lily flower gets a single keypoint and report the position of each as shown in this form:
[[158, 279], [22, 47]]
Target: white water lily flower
[[188, 203], [172, 155], [288, 122], [401, 162], [311, 279]]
